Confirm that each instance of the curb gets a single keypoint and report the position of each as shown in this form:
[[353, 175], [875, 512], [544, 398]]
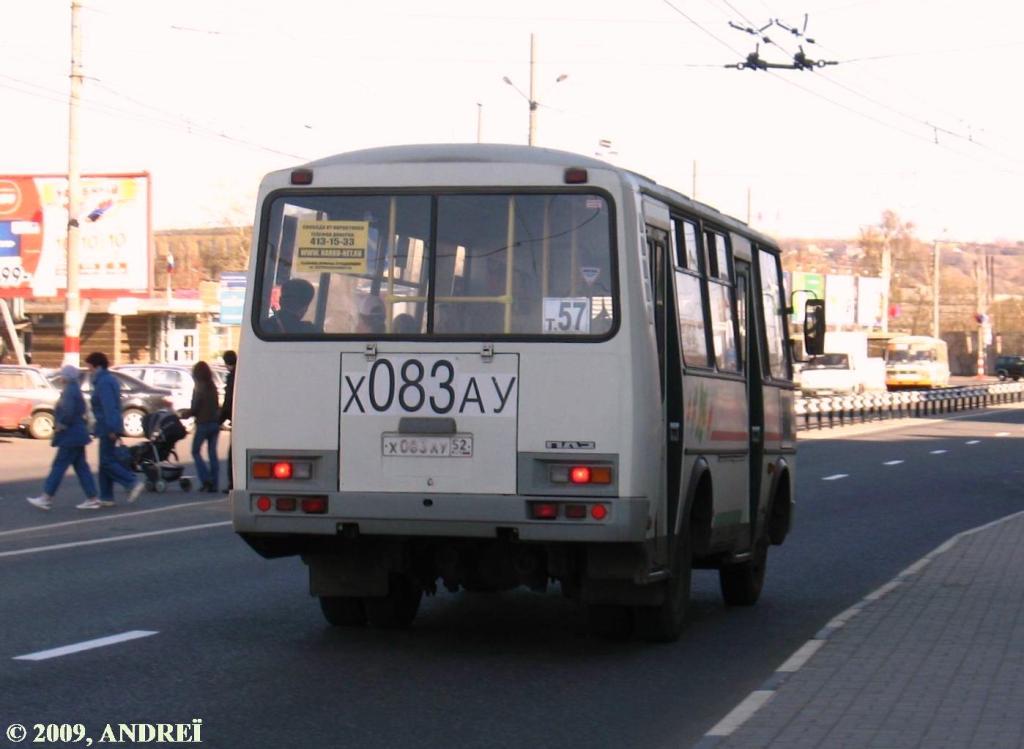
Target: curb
[[763, 695]]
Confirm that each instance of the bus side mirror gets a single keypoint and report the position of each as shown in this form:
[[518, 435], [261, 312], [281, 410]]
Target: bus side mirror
[[814, 327]]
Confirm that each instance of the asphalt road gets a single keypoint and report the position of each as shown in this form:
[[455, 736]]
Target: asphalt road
[[240, 644]]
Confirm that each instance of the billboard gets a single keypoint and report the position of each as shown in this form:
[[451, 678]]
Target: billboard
[[231, 295], [113, 254], [841, 300], [869, 302]]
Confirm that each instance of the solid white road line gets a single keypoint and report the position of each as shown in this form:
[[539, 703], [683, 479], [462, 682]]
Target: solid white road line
[[835, 477], [78, 647], [739, 715], [128, 537], [107, 516], [892, 462]]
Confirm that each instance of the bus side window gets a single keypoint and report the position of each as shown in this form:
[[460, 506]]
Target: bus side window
[[691, 294], [770, 300], [722, 298]]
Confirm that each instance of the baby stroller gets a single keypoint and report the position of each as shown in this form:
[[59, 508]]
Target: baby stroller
[[154, 456]]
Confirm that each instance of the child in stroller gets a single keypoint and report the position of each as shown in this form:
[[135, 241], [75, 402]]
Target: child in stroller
[[153, 457]]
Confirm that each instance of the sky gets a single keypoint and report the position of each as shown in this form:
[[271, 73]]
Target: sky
[[922, 115]]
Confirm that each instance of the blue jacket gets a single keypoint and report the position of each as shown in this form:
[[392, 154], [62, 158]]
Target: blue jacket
[[106, 403], [69, 415]]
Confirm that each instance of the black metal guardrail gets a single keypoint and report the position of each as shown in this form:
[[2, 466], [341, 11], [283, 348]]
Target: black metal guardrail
[[835, 411]]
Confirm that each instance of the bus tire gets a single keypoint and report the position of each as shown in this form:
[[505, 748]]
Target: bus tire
[[398, 608], [741, 584], [664, 623], [343, 611], [609, 621]]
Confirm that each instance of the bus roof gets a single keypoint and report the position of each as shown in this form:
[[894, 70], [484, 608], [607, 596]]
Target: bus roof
[[444, 153]]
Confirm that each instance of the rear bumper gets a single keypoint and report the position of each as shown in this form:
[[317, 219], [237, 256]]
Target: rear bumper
[[445, 515]]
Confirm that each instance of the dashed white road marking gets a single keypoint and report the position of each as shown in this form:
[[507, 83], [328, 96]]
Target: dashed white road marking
[[892, 462], [78, 647], [938, 452], [835, 477], [972, 442], [1002, 434]]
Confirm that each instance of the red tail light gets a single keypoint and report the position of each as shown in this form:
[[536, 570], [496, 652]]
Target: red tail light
[[580, 475], [543, 510], [314, 505], [285, 504], [282, 470], [263, 504], [598, 512]]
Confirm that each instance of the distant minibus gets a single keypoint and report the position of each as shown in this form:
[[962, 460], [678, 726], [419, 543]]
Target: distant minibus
[[916, 361], [482, 366]]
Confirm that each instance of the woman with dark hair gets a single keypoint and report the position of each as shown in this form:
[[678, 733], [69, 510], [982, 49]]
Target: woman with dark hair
[[206, 412]]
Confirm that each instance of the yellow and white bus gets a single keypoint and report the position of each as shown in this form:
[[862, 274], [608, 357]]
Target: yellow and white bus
[[916, 361], [490, 366]]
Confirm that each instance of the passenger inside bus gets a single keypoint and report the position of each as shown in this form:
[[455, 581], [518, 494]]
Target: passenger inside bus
[[296, 294], [371, 315]]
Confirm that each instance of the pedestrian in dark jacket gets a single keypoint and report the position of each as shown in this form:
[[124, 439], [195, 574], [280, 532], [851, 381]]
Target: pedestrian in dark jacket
[[207, 415], [106, 411], [70, 437], [230, 361]]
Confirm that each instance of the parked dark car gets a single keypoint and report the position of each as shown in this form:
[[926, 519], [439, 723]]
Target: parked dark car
[[30, 383], [137, 400], [1010, 367]]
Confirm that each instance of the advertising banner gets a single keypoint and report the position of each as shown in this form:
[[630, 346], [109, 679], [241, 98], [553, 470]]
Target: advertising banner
[[232, 297], [113, 230], [810, 286], [841, 300], [869, 302]]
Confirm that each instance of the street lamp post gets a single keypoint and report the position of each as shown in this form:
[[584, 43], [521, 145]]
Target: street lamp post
[[532, 99]]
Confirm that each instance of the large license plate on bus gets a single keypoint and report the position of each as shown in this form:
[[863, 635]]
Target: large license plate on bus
[[395, 445]]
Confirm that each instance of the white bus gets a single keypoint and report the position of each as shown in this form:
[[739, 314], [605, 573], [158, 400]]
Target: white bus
[[916, 361], [491, 366]]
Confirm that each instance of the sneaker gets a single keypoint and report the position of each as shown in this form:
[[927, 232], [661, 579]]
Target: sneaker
[[135, 492], [93, 504], [41, 502]]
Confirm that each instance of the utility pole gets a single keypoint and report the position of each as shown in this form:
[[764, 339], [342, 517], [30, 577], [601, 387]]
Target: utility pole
[[886, 281], [748, 206], [533, 99], [693, 193], [479, 122], [531, 137], [936, 254], [72, 308]]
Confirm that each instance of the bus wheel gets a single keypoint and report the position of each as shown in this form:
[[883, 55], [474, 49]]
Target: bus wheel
[[741, 583], [343, 611], [609, 621], [664, 623], [398, 608]]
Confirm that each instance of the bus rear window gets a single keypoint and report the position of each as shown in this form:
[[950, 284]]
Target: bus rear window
[[450, 265]]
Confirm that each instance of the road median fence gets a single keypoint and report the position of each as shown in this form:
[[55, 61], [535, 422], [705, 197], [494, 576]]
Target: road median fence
[[837, 411]]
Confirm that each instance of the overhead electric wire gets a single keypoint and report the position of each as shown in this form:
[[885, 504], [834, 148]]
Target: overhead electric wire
[[181, 124], [846, 107]]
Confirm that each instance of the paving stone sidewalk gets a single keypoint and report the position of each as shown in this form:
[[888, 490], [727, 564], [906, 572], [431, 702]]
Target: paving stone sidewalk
[[935, 660]]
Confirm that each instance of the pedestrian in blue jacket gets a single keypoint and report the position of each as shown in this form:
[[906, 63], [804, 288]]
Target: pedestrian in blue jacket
[[70, 437], [106, 410]]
